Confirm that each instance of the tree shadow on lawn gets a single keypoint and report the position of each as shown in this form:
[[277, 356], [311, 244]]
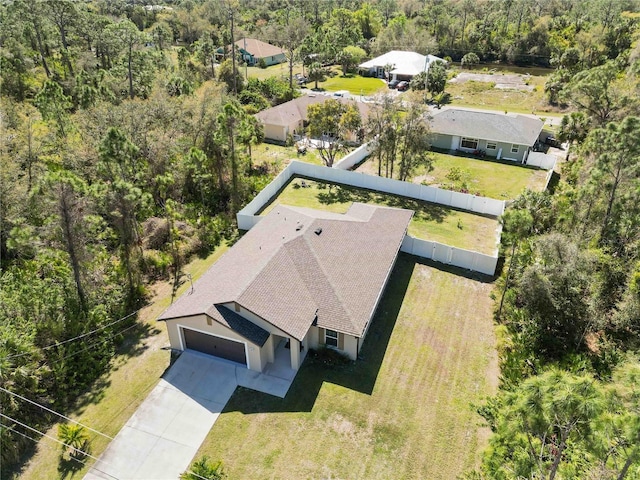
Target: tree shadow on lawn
[[329, 194], [361, 375], [131, 345]]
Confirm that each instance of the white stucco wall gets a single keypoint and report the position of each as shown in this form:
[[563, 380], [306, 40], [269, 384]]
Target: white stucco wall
[[275, 132], [351, 346]]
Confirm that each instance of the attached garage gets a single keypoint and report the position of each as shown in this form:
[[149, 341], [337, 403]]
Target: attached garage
[[214, 345]]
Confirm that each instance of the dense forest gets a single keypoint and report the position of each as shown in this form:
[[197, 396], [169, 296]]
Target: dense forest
[[126, 149]]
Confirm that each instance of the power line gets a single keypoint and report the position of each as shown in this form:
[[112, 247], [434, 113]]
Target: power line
[[61, 442], [48, 436], [104, 340], [195, 474], [73, 458], [54, 412], [77, 337]]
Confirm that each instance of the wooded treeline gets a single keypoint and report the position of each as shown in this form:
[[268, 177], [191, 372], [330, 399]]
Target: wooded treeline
[[124, 152], [568, 301]]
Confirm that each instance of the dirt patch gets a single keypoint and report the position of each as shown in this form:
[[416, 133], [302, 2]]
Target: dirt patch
[[502, 81], [427, 179]]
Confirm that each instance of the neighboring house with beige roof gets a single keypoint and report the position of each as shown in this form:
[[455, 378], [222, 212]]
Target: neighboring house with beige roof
[[504, 136], [305, 277], [290, 118], [253, 50]]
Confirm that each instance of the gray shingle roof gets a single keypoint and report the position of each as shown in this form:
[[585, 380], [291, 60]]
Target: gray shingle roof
[[287, 274], [498, 127], [239, 324], [296, 110]]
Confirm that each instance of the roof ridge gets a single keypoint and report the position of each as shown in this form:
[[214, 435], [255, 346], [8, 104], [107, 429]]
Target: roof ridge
[[333, 290], [256, 273]]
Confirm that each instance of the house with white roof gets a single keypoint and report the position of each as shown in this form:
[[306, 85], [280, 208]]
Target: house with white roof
[[405, 65]]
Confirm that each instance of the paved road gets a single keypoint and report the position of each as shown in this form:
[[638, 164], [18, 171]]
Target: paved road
[[161, 438]]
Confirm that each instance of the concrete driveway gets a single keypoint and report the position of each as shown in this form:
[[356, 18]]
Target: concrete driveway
[[161, 438]]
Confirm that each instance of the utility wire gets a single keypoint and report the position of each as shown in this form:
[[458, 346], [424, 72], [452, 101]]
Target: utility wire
[[68, 446], [37, 441], [54, 412], [77, 337], [196, 475], [104, 340], [48, 436]]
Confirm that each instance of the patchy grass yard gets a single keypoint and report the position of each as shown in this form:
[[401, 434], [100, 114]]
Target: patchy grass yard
[[484, 95], [483, 177], [280, 156], [430, 221], [404, 410], [136, 369]]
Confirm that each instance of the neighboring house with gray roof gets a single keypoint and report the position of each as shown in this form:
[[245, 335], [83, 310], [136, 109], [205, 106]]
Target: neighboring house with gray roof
[[503, 136], [305, 277], [290, 118]]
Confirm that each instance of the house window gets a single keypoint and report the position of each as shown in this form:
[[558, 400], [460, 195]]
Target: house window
[[331, 338], [469, 143], [515, 148], [491, 146]]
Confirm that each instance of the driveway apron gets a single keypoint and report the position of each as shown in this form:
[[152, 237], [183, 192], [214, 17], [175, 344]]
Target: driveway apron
[[162, 437]]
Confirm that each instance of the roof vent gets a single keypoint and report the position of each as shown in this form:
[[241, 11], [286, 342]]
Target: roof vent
[[299, 227], [318, 231]]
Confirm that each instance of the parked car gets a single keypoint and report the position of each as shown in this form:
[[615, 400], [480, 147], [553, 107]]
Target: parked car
[[552, 141], [393, 83], [402, 86]]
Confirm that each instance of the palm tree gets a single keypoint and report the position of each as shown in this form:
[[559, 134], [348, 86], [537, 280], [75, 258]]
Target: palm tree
[[573, 128], [74, 437], [204, 469], [316, 72]]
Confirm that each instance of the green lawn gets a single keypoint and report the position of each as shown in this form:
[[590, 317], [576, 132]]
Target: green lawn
[[483, 177], [280, 70], [430, 221], [405, 410], [136, 369], [355, 84]]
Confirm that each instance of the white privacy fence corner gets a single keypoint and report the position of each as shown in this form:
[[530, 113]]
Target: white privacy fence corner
[[354, 158], [471, 260]]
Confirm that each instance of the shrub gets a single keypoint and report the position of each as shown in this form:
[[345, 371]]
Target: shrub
[[262, 63], [329, 357], [203, 468]]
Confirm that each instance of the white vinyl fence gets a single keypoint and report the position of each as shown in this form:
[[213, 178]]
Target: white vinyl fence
[[247, 217], [458, 257], [354, 158], [542, 160]]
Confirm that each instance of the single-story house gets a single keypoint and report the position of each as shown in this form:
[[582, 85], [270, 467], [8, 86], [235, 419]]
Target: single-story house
[[503, 136], [253, 50], [405, 64], [300, 278], [290, 118]]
